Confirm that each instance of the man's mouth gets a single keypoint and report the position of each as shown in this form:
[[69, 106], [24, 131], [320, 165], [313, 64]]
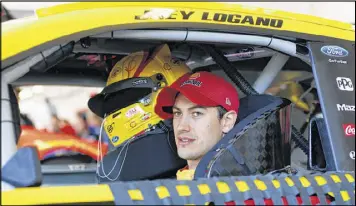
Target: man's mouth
[[185, 141]]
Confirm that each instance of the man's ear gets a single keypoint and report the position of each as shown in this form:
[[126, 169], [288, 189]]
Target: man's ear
[[228, 121]]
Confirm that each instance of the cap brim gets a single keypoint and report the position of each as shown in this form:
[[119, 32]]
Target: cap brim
[[167, 96]]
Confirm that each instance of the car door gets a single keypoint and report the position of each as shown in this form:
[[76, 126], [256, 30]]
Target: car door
[[334, 71]]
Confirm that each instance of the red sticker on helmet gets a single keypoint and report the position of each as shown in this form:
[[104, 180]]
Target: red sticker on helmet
[[131, 112]]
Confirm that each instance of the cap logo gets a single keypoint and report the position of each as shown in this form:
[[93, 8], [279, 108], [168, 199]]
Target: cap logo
[[193, 82], [228, 102], [194, 76]]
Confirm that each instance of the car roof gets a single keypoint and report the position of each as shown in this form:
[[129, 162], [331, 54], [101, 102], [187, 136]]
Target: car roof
[[76, 20]]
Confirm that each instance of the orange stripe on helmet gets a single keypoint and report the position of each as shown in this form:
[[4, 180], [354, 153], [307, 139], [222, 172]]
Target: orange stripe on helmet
[[146, 60], [142, 65]]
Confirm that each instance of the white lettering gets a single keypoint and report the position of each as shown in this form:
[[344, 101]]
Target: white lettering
[[192, 82], [344, 107], [344, 84], [77, 167], [352, 155], [350, 130], [334, 51], [337, 61], [131, 112]]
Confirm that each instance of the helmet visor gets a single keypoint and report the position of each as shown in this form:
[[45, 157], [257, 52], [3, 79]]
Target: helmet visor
[[124, 93]]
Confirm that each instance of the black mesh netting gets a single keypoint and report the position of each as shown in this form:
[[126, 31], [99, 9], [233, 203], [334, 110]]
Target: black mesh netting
[[257, 149]]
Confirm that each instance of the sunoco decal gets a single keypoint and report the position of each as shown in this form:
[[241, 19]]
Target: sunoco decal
[[334, 51], [210, 17]]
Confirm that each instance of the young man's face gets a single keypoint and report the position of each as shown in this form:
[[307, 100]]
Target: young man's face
[[196, 129]]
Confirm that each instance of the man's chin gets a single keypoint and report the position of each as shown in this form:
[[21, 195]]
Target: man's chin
[[187, 156]]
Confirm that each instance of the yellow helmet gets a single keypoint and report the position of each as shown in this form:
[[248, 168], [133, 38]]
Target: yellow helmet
[[128, 100]]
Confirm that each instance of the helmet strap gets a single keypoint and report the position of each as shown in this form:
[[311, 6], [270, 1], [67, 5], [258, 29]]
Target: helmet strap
[[100, 162], [167, 130]]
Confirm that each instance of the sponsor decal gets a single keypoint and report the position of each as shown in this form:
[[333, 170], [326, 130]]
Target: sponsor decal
[[246, 53], [175, 61], [129, 65], [337, 61], [344, 84], [139, 82], [110, 127], [221, 17], [157, 13], [349, 129], [334, 51], [131, 112], [146, 116], [192, 82], [345, 107], [172, 63], [240, 19], [194, 76], [115, 139], [228, 102], [352, 155], [145, 101], [167, 66], [133, 124], [115, 71], [77, 167]]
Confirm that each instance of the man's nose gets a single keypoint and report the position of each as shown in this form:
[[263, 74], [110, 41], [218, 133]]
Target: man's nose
[[183, 123]]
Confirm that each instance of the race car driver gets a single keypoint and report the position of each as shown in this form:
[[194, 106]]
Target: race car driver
[[128, 99], [204, 107]]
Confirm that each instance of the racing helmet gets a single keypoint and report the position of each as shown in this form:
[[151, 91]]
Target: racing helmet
[[128, 100]]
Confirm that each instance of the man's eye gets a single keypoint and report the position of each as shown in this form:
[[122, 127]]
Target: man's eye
[[177, 114], [197, 114]]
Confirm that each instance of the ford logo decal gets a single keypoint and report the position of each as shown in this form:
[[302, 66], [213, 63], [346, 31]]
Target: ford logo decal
[[334, 51]]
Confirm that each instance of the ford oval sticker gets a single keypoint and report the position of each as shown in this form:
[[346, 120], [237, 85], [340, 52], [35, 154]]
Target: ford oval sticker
[[334, 51]]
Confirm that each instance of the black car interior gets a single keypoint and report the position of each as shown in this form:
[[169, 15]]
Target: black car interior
[[254, 145]]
